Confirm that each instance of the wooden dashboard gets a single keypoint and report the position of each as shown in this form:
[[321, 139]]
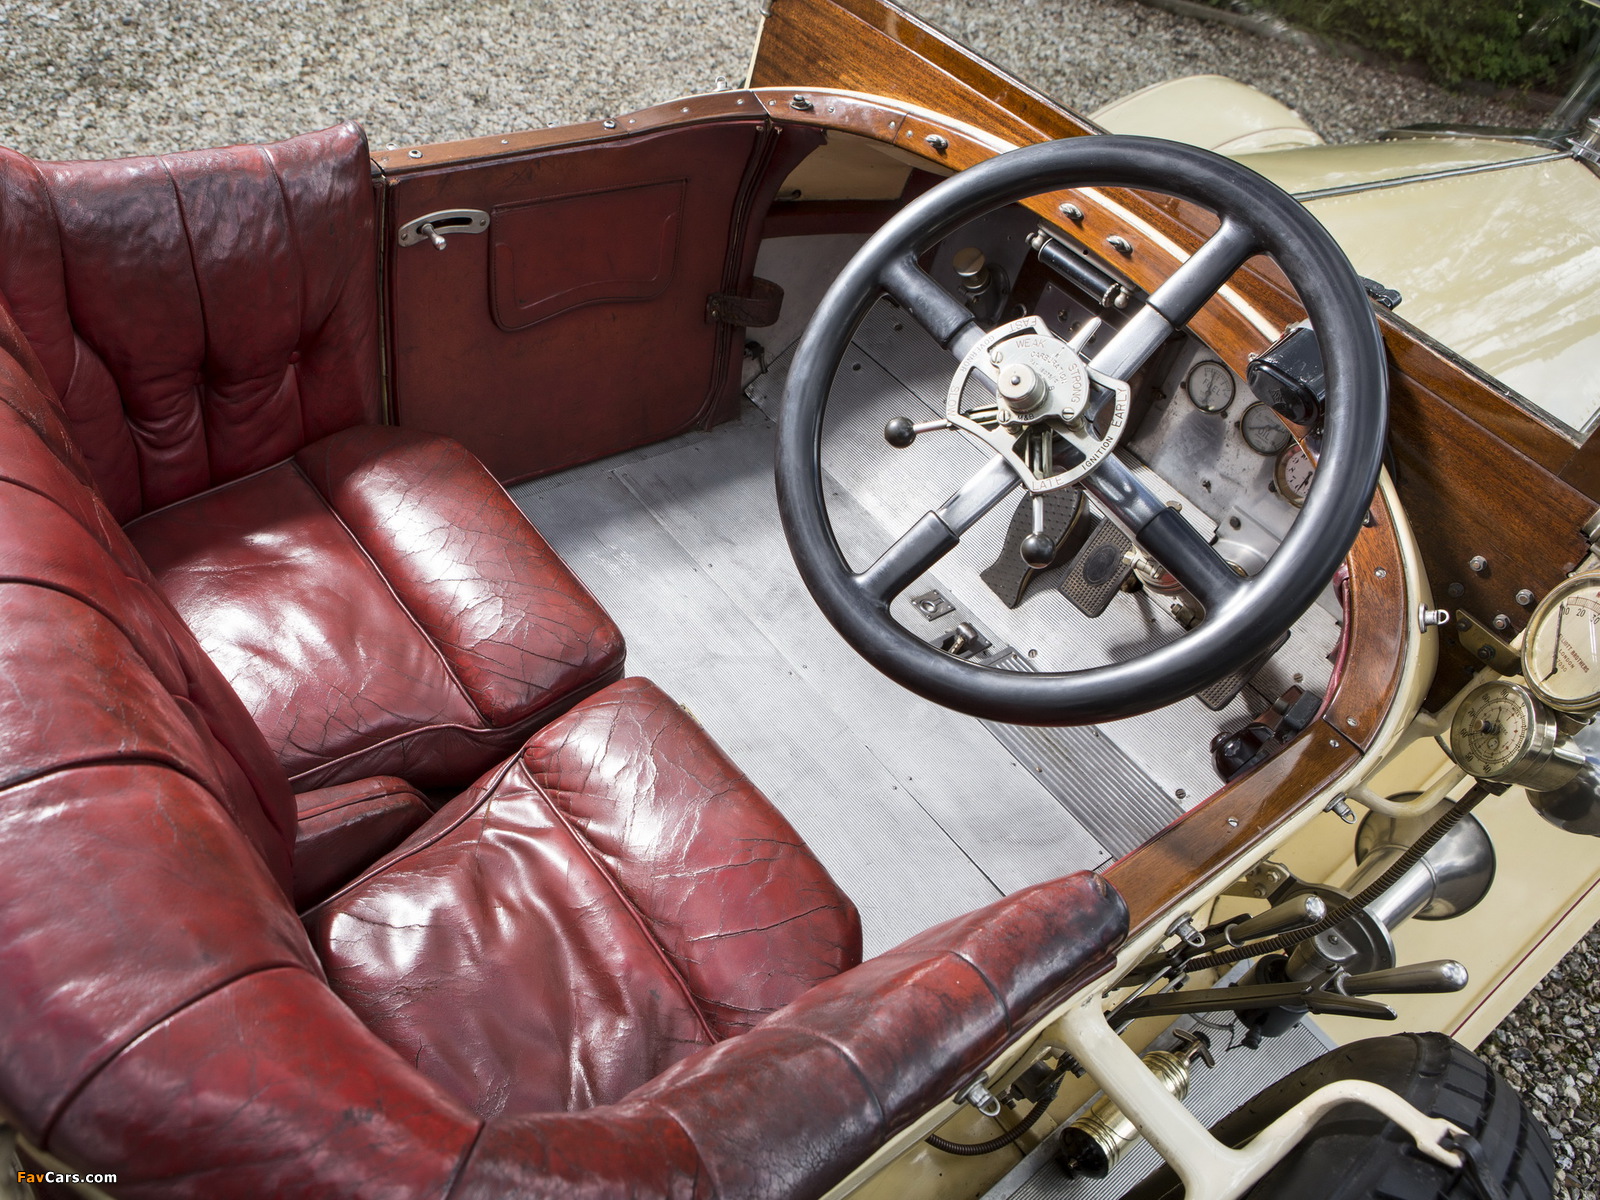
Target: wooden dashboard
[[1477, 474]]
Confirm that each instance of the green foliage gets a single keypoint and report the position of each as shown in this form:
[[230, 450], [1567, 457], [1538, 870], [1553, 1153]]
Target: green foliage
[[1512, 43]]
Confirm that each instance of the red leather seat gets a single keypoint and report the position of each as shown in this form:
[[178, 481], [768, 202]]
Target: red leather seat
[[562, 983], [620, 891], [381, 607], [209, 322]]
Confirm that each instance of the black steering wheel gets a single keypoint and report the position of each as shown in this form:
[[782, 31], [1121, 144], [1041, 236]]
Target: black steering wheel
[[1047, 383]]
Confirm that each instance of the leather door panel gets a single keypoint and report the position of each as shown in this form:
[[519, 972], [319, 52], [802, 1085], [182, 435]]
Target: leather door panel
[[578, 325], [545, 263]]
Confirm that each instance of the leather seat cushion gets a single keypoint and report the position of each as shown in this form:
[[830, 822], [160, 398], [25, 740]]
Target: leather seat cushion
[[381, 607], [612, 898]]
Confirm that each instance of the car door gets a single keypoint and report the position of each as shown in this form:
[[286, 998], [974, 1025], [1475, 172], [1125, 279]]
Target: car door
[[561, 295]]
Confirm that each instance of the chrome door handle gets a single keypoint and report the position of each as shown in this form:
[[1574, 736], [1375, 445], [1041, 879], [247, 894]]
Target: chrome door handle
[[436, 225]]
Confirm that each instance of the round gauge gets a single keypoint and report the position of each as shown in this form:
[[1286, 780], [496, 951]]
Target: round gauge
[[1561, 651], [1502, 733], [1494, 729], [1293, 474], [1210, 386], [1264, 431]]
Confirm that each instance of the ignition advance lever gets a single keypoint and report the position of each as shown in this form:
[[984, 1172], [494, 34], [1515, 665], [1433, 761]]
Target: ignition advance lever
[[1310, 994], [1440, 975]]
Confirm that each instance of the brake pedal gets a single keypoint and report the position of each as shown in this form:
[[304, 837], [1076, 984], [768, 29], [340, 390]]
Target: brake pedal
[[1096, 574], [1221, 693]]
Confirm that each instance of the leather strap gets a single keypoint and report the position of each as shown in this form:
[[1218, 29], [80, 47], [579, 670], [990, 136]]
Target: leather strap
[[752, 311]]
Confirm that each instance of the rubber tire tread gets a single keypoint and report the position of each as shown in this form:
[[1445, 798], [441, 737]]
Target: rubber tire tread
[[1355, 1154]]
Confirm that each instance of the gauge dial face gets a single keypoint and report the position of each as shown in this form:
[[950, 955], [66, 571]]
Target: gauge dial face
[[1293, 474], [1210, 386], [1561, 652], [1493, 729], [1263, 431]]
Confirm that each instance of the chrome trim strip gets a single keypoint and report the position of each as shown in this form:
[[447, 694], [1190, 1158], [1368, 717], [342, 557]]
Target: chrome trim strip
[[1401, 181]]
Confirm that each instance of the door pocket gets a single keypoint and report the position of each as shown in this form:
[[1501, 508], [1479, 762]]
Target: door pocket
[[553, 255]]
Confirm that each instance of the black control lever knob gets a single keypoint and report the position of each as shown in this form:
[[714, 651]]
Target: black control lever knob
[[900, 432], [1295, 913], [1441, 975], [1037, 550]]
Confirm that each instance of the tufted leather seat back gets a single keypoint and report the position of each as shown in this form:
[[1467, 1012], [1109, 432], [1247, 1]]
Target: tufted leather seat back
[[190, 346]]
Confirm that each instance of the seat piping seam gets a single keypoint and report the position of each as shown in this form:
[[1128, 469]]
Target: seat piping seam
[[523, 727], [293, 238], [79, 341], [76, 1091], [205, 331], [466, 1158], [204, 492], [401, 853], [633, 910], [377, 570]]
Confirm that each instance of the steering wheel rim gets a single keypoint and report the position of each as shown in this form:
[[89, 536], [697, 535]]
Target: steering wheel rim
[[1257, 217]]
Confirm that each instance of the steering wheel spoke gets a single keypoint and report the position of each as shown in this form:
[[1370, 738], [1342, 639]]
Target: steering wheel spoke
[[944, 317], [1174, 304], [938, 532], [1163, 533], [1179, 547]]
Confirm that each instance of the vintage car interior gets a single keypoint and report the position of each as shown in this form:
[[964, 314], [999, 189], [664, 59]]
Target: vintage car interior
[[1033, 546]]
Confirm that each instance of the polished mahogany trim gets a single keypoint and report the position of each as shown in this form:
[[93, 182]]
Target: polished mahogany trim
[[1375, 632], [1470, 495], [1185, 853], [412, 160]]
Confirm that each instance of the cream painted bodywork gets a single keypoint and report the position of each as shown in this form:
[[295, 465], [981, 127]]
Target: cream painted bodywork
[[1212, 111], [1501, 264], [1502, 267], [1300, 171]]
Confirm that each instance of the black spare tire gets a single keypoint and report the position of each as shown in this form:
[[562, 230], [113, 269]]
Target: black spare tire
[[1354, 1153]]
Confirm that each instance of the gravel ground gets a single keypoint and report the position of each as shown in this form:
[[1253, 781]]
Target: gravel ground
[[91, 78]]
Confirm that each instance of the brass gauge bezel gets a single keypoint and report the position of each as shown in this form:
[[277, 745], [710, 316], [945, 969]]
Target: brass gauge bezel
[[1545, 623], [1280, 473]]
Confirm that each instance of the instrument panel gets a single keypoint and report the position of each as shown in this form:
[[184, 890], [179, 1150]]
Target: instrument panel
[[1240, 463]]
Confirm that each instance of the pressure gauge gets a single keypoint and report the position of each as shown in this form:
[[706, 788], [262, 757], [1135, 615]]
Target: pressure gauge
[[1561, 650], [1264, 431], [1293, 474], [1210, 386], [1501, 732]]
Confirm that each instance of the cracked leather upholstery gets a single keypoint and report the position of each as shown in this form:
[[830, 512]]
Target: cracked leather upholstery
[[623, 891], [608, 919], [341, 830], [788, 1109], [381, 607], [199, 315], [208, 323]]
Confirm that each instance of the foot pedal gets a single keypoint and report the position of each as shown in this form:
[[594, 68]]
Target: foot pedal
[[1009, 576], [1096, 574], [1221, 693]]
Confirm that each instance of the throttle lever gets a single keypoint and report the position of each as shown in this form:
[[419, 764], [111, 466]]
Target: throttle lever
[[1292, 914], [1440, 975]]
